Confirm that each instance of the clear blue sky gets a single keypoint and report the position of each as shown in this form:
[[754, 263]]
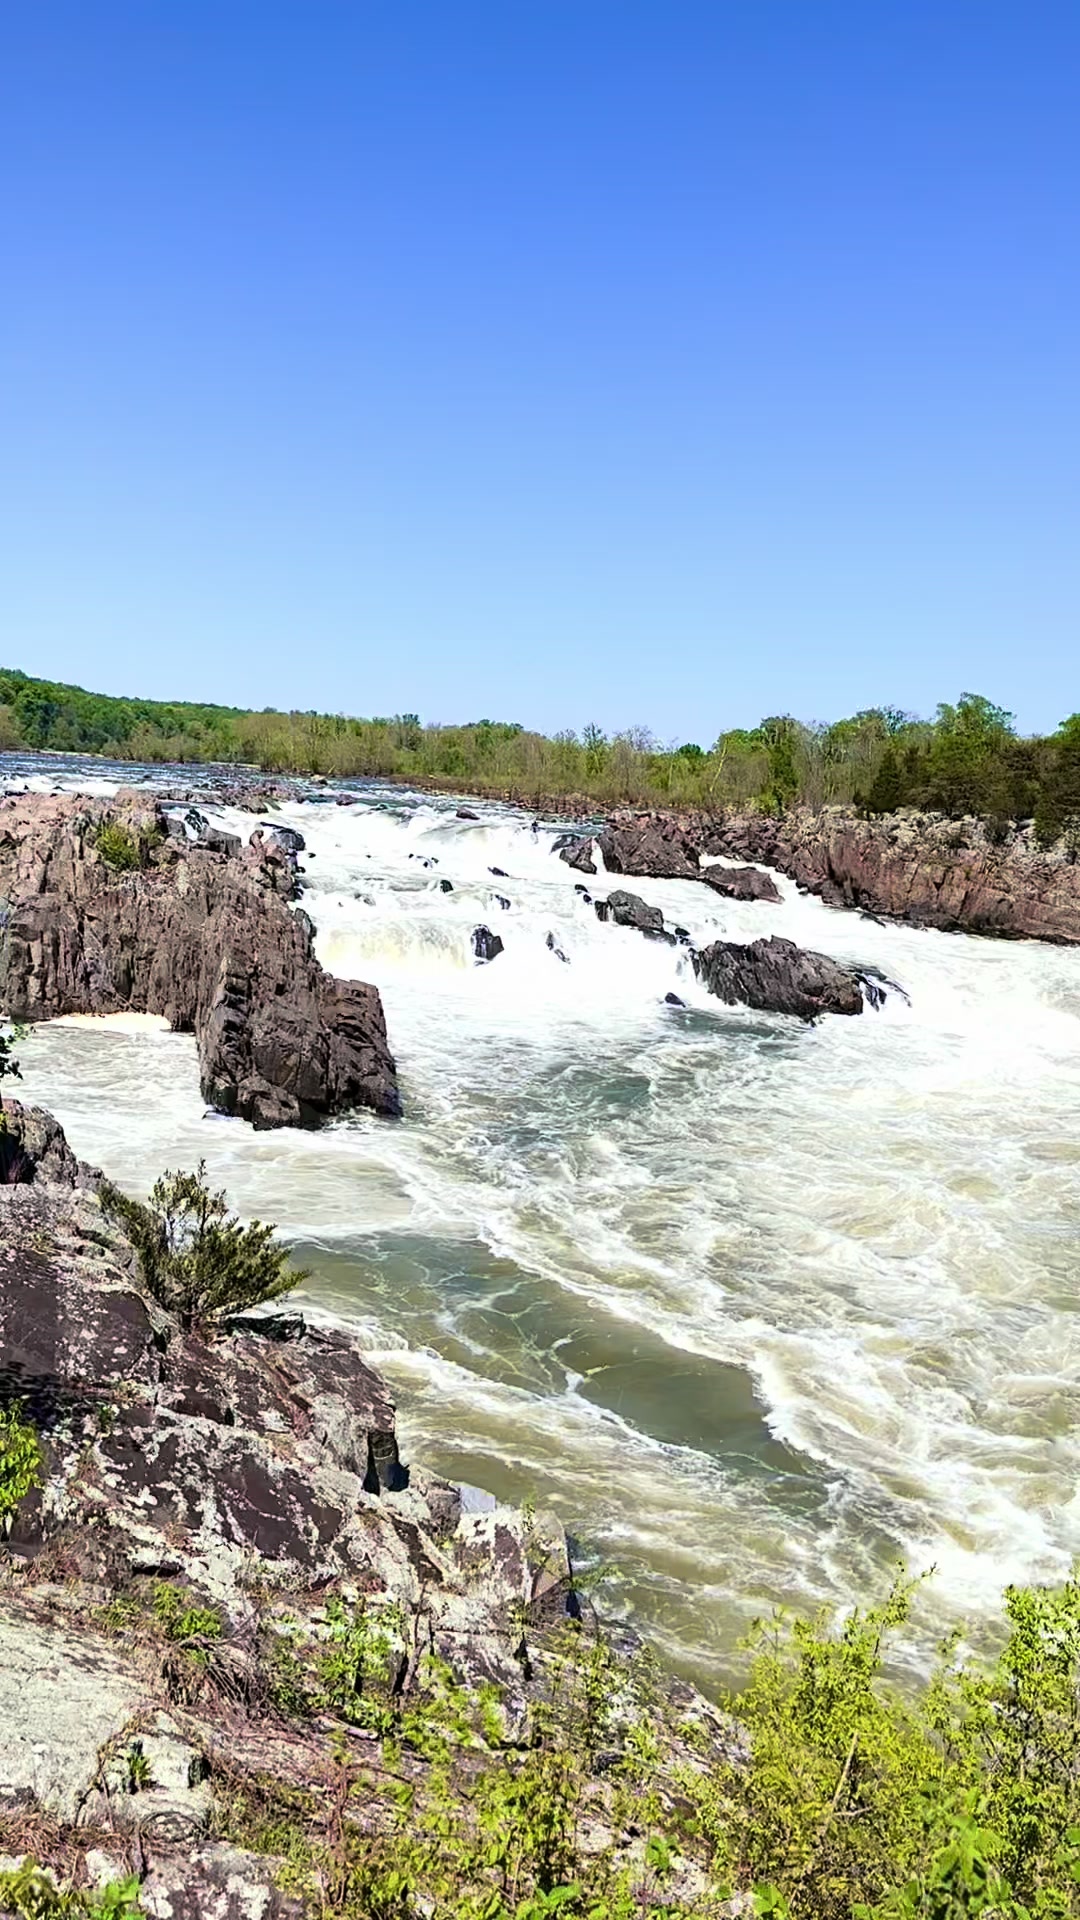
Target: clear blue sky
[[582, 359]]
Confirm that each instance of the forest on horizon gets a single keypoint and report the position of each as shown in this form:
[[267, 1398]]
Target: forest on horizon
[[968, 760]]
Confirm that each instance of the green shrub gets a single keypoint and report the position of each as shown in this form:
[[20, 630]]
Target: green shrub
[[9, 1066], [30, 1894], [20, 1463], [197, 1259], [118, 846]]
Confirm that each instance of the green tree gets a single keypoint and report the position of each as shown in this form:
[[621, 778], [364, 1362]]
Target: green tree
[[198, 1260]]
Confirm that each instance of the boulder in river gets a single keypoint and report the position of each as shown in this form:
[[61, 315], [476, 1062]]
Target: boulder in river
[[650, 849], [741, 883], [486, 945], [629, 910], [446, 886], [466, 813], [576, 851], [287, 837], [776, 976]]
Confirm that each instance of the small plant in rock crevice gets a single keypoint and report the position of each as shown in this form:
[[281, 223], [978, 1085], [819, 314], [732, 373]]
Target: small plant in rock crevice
[[197, 1259], [118, 846]]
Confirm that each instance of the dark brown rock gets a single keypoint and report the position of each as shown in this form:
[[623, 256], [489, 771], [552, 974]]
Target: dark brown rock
[[205, 939], [578, 853], [740, 883], [776, 976], [651, 848], [629, 910]]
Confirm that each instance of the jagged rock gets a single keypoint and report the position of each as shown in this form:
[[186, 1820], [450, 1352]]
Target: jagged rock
[[466, 813], [502, 901], [629, 910], [486, 945], [499, 872], [33, 1146], [289, 838], [776, 976], [672, 1000], [268, 1451], [446, 886], [740, 883], [652, 849], [577, 852], [553, 946], [209, 942]]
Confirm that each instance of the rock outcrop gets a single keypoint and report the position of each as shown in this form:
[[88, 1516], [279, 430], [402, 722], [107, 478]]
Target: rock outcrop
[[776, 976], [740, 883], [256, 1473], [629, 910], [653, 849], [922, 868], [202, 935]]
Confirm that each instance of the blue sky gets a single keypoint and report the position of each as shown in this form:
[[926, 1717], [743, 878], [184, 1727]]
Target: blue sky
[[666, 364]]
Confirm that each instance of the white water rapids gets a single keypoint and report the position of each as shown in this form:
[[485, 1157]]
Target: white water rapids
[[760, 1308]]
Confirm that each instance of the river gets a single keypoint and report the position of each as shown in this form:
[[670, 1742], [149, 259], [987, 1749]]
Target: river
[[759, 1308]]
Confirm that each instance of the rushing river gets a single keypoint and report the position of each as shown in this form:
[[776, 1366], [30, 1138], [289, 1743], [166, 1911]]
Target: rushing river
[[759, 1308]]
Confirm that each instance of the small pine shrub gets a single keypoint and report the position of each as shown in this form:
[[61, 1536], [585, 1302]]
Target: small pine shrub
[[118, 846], [198, 1260], [20, 1463]]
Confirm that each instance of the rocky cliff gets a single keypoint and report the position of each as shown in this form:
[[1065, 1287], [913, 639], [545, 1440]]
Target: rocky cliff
[[109, 906], [228, 1591], [957, 875]]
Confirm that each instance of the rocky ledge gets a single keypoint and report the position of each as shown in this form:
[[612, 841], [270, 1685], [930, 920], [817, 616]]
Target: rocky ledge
[[224, 1547], [110, 906], [958, 875]]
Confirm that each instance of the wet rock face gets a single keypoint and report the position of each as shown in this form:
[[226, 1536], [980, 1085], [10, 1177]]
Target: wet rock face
[[486, 945], [203, 937], [629, 910], [653, 849], [577, 852], [776, 976], [741, 883]]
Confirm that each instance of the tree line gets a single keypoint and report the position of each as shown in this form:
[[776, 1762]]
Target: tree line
[[968, 760]]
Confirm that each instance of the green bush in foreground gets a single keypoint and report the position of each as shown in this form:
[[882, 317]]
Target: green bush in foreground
[[20, 1463], [198, 1260], [844, 1800], [30, 1894]]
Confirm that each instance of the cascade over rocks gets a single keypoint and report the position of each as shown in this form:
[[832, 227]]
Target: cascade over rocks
[[776, 976], [203, 937]]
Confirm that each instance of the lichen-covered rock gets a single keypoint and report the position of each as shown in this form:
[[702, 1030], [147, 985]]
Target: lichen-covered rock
[[64, 1695], [205, 938]]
